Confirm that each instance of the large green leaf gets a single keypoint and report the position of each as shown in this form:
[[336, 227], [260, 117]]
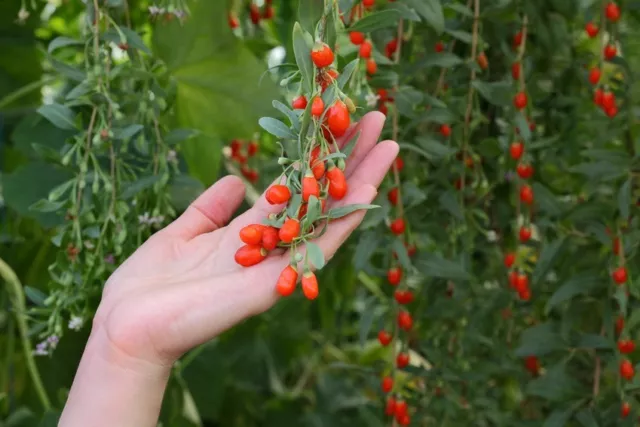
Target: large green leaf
[[219, 90]]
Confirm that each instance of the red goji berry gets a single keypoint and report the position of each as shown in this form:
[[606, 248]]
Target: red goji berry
[[249, 255]]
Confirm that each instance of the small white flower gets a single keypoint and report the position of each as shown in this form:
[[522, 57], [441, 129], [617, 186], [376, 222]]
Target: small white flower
[[371, 99], [75, 323], [492, 236], [53, 341], [144, 219], [172, 156], [23, 15], [41, 349]]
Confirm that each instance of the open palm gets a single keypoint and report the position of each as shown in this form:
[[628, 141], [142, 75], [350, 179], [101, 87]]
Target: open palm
[[183, 287]]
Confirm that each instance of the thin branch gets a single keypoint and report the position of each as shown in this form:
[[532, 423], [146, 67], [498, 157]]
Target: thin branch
[[15, 289]]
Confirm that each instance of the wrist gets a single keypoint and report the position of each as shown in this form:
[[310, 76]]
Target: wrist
[[112, 387]]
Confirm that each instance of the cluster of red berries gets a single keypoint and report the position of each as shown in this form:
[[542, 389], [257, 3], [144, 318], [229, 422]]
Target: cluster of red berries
[[518, 280], [242, 152], [305, 193], [255, 14], [603, 98]]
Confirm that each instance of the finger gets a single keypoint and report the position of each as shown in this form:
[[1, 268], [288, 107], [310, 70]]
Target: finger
[[210, 211], [370, 128]]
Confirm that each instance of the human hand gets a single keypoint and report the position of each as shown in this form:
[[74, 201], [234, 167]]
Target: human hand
[[183, 287]]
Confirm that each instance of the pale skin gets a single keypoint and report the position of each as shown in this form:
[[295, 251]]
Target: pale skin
[[182, 288]]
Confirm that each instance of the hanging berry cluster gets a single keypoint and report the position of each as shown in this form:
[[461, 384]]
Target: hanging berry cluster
[[603, 97], [518, 278], [312, 161], [254, 13], [243, 154]]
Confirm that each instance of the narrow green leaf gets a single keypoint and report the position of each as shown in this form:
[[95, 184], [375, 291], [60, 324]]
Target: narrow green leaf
[[139, 185], [548, 257], [443, 60], [60, 190], [497, 93], [558, 418], [463, 36], [366, 320], [461, 9], [124, 134], [276, 127], [34, 295], [405, 11], [401, 251], [63, 41], [450, 203], [593, 341], [346, 74], [179, 135], [294, 205], [576, 285], [134, 40], [346, 210], [540, 340], [302, 43], [315, 255], [586, 418], [377, 20], [309, 13], [314, 210], [45, 205], [60, 115], [431, 11], [624, 199], [432, 265], [350, 145], [293, 117]]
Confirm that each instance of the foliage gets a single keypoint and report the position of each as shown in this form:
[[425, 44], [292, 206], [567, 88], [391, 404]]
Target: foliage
[[500, 329]]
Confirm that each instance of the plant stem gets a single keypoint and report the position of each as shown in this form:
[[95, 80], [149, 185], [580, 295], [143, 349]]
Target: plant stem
[[15, 289], [25, 90]]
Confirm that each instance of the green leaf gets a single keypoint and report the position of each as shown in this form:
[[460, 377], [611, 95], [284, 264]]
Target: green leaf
[[183, 190], [624, 199], [125, 134], [463, 36], [558, 418], [347, 72], [439, 115], [461, 9], [449, 201], [72, 73], [540, 340], [31, 183], [314, 210], [134, 40], [291, 115], [577, 285], [366, 320], [351, 143], [34, 295], [586, 418], [401, 251], [45, 205], [431, 11], [302, 43], [177, 136], [405, 11], [315, 255], [346, 210], [139, 185], [443, 60], [523, 126], [377, 20], [276, 127], [593, 341], [432, 265], [548, 257], [309, 13], [496, 93], [60, 115], [63, 41], [555, 386], [433, 101], [191, 50]]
